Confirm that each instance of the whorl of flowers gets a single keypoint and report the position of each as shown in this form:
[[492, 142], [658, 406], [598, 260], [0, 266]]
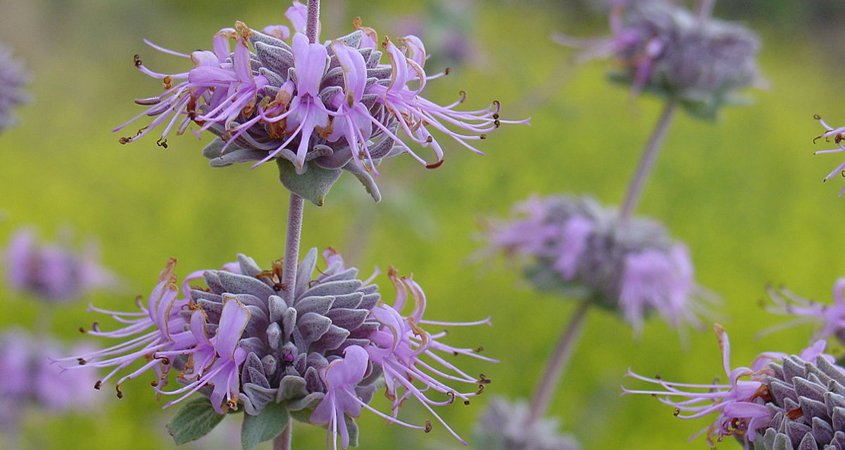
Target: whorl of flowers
[[665, 49], [577, 246], [324, 107], [837, 135], [54, 272], [29, 379], [13, 78], [829, 318], [321, 354], [779, 402], [505, 426]]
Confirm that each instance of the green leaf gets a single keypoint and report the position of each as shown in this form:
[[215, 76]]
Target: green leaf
[[313, 185], [265, 426], [194, 421]]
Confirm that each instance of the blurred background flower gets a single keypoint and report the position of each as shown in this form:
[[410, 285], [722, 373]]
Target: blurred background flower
[[13, 77]]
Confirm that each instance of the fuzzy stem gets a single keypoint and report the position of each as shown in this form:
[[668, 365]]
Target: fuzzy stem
[[652, 148], [705, 9], [297, 204], [557, 363], [312, 25], [284, 440]]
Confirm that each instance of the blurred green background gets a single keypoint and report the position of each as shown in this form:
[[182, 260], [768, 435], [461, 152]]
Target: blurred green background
[[745, 193]]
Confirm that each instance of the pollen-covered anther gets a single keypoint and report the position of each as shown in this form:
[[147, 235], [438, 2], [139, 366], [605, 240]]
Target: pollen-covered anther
[[118, 391], [136, 59], [243, 30]]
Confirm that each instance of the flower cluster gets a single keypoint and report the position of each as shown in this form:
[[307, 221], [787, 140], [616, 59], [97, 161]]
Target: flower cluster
[[320, 353], [30, 379], [837, 134], [665, 49], [583, 249], [54, 272], [325, 107], [780, 402], [505, 426], [13, 77], [830, 318]]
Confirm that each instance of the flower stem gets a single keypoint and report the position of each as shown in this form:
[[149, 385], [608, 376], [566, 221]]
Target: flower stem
[[284, 440], [297, 204], [312, 25], [705, 9], [652, 148], [557, 364]]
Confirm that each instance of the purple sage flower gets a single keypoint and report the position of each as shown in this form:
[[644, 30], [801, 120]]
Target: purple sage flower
[[578, 247], [837, 135], [31, 380], [322, 107], [13, 78], [239, 342], [829, 318], [779, 402], [505, 426], [667, 50], [54, 272]]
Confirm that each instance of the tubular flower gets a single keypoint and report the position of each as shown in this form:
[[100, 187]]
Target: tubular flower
[[29, 380], [54, 272], [160, 326], [575, 245], [321, 353], [403, 350], [830, 318], [665, 49], [777, 394], [837, 134], [13, 78], [325, 106]]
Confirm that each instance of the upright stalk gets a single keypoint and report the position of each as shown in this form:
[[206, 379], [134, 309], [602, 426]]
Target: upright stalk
[[557, 363], [312, 25], [297, 204], [705, 9], [284, 441], [652, 148]]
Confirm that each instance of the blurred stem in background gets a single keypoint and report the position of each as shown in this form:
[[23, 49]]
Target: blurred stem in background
[[558, 362], [646, 164]]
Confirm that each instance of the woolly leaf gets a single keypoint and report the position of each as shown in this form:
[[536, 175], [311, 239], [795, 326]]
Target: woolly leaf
[[265, 426], [313, 185], [196, 419]]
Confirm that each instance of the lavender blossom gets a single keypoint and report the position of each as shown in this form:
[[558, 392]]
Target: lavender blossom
[[837, 134], [779, 402], [311, 107], [505, 426], [667, 50], [829, 318], [582, 249], [13, 78], [54, 272], [320, 354], [30, 380]]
